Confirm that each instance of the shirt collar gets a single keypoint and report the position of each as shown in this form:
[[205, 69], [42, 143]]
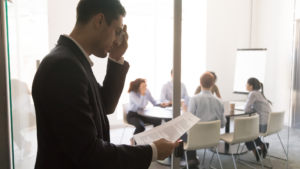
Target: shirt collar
[[205, 92], [82, 50]]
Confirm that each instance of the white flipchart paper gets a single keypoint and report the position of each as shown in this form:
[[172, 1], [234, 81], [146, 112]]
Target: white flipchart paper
[[170, 131]]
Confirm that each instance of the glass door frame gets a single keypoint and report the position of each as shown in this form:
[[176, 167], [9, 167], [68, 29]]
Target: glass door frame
[[6, 157], [177, 69], [5, 139]]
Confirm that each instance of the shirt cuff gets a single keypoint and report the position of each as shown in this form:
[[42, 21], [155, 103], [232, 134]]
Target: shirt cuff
[[121, 61], [166, 101], [154, 152]]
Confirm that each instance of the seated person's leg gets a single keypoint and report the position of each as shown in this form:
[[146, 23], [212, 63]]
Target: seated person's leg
[[134, 119], [167, 120], [184, 137], [263, 129], [154, 121], [261, 144], [250, 146], [192, 159], [191, 154]]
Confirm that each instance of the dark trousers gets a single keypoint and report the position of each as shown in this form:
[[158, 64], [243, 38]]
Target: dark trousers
[[139, 121], [250, 145], [191, 154]]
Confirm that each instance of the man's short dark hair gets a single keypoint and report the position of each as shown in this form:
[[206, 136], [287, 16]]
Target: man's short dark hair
[[111, 9]]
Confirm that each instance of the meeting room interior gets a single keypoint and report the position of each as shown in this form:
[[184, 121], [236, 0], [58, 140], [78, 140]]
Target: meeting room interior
[[249, 48]]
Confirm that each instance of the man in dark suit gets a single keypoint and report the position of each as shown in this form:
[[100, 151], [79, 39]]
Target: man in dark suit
[[71, 107]]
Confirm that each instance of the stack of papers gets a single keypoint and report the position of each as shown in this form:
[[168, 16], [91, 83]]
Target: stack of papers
[[170, 131]]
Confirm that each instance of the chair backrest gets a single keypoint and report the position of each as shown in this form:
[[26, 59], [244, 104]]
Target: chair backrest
[[226, 105], [204, 135], [125, 108], [275, 123], [246, 129]]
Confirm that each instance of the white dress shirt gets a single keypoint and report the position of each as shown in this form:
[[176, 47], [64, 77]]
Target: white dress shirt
[[121, 61], [138, 101], [257, 103], [167, 92], [207, 107]]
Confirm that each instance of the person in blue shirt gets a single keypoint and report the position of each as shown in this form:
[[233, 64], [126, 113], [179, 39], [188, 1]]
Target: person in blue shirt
[[139, 97], [207, 107], [167, 91]]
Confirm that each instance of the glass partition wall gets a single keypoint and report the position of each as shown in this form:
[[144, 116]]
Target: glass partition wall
[[154, 33], [28, 44], [4, 98], [212, 31], [273, 29]]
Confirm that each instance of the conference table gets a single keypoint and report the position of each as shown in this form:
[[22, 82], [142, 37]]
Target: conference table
[[167, 113], [164, 114]]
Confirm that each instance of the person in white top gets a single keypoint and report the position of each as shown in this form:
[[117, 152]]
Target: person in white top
[[139, 97], [258, 103], [166, 95], [207, 107]]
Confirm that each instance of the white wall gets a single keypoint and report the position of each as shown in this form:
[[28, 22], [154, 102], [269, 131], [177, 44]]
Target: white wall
[[62, 18], [273, 29], [228, 28], [297, 9]]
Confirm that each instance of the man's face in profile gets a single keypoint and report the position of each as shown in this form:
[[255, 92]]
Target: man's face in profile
[[108, 37]]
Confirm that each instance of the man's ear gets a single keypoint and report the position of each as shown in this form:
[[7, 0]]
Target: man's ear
[[98, 20]]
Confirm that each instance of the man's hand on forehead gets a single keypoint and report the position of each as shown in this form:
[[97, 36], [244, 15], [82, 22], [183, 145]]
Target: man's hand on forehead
[[118, 51]]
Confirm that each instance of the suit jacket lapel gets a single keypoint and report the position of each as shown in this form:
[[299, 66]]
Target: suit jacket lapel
[[81, 57]]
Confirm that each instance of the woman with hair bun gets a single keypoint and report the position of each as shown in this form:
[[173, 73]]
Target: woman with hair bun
[[257, 102], [139, 97]]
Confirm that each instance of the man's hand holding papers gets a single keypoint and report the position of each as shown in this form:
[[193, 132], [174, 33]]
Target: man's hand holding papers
[[170, 131], [165, 148]]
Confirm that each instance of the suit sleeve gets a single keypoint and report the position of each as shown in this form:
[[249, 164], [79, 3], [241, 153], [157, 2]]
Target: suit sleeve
[[113, 85], [66, 99]]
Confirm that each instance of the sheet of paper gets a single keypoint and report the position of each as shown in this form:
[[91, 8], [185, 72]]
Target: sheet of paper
[[171, 108], [170, 131]]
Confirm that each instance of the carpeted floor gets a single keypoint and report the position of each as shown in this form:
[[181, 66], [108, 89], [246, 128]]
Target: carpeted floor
[[275, 150]]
